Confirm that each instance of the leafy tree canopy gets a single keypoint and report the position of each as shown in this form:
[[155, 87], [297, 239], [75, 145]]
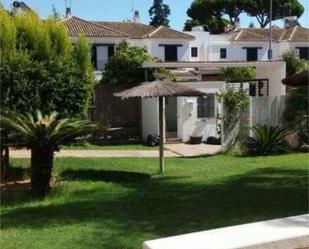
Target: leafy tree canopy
[[281, 8], [40, 69], [159, 13], [240, 74], [211, 12], [124, 68], [293, 63]]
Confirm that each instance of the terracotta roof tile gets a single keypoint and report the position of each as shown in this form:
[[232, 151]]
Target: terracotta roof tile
[[131, 30], [278, 34], [165, 32], [77, 26], [134, 30]]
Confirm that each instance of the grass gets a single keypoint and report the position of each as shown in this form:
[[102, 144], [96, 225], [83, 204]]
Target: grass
[[89, 146], [119, 203]]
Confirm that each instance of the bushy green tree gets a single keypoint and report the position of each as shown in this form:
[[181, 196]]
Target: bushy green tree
[[293, 63], [240, 74], [159, 13], [207, 12], [40, 68], [124, 68], [260, 9]]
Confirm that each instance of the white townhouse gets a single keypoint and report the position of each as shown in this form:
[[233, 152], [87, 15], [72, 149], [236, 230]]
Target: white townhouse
[[196, 58], [162, 42], [248, 44]]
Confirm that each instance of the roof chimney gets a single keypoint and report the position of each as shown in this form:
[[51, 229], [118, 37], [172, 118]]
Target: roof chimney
[[290, 21], [68, 12], [136, 17]]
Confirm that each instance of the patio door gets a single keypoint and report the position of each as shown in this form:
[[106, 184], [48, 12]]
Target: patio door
[[171, 117]]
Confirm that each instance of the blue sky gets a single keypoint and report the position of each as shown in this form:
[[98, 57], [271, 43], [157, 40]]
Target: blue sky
[[118, 10]]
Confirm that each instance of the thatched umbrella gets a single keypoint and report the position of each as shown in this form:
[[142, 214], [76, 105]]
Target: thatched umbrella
[[299, 79], [160, 89]]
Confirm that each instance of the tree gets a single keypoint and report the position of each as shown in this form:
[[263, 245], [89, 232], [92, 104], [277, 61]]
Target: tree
[[239, 74], [233, 8], [209, 13], [40, 68], [260, 10], [43, 135], [293, 63], [159, 13], [124, 68]]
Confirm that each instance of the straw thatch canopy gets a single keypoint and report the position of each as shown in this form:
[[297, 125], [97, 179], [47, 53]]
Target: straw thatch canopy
[[158, 88], [299, 79]]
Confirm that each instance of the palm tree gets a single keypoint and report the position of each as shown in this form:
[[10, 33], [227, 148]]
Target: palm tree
[[43, 135]]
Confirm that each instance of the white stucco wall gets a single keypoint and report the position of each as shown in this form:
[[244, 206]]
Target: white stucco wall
[[158, 51], [274, 73], [150, 117], [188, 122]]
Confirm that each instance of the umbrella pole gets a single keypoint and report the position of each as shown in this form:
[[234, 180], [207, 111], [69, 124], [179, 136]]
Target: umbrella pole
[[161, 130]]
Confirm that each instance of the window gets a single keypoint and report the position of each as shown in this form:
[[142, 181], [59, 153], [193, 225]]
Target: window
[[303, 52], [252, 54], [206, 106], [94, 56], [171, 53], [222, 53], [194, 52], [110, 51]]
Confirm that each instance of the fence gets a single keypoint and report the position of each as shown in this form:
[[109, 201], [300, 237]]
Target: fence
[[261, 110]]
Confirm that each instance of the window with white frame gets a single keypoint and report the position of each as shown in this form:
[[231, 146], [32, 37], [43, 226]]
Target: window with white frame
[[206, 106], [194, 52], [222, 53]]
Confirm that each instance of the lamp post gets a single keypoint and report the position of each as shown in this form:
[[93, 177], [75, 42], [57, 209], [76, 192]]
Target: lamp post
[[270, 52]]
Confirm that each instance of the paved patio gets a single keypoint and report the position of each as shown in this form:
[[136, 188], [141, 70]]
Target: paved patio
[[173, 150], [191, 150]]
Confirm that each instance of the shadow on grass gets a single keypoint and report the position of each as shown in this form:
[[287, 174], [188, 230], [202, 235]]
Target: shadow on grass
[[167, 208], [104, 175]]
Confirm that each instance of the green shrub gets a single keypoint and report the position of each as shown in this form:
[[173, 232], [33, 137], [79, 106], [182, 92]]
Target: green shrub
[[266, 140]]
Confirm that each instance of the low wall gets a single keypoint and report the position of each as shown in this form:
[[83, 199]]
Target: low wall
[[286, 233], [117, 113]]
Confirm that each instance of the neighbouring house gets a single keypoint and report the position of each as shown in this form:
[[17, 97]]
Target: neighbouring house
[[162, 42], [196, 59]]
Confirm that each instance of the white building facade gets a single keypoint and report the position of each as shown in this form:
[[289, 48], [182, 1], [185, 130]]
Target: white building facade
[[196, 58]]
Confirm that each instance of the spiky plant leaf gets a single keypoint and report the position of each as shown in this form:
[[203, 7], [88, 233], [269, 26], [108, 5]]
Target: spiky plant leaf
[[266, 140]]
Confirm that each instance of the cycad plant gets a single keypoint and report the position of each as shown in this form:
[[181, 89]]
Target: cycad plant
[[266, 140], [43, 135]]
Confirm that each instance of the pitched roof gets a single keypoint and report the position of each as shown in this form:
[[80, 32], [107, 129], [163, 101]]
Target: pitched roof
[[293, 34], [131, 30], [165, 32], [135, 30], [140, 30], [77, 26]]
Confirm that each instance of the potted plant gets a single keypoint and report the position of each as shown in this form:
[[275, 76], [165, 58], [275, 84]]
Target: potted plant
[[196, 139]]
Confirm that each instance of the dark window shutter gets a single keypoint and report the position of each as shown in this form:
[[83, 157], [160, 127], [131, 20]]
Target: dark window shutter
[[206, 106], [171, 53], [111, 51], [252, 54], [194, 52], [94, 56], [304, 53], [222, 53]]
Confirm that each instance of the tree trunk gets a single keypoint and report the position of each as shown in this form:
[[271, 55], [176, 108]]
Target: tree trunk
[[5, 161], [41, 170]]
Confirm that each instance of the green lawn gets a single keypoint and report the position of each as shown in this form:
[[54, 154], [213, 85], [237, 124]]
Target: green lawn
[[119, 203], [89, 146]]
